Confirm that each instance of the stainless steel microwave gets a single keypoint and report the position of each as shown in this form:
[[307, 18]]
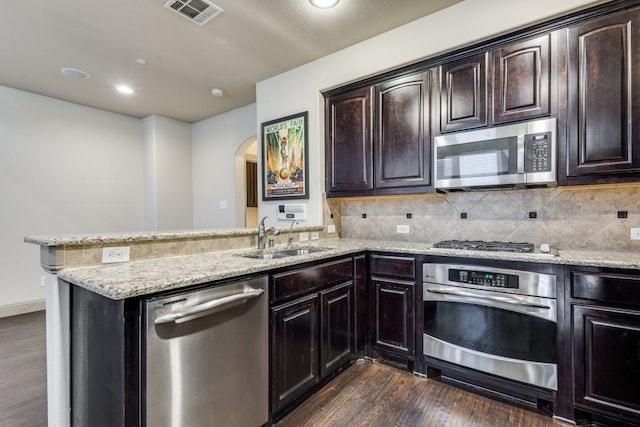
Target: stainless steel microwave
[[517, 155]]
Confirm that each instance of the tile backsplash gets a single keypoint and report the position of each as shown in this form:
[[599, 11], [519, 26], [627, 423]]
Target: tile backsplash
[[566, 218]]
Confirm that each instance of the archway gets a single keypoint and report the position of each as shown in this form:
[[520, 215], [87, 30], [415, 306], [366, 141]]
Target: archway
[[248, 152]]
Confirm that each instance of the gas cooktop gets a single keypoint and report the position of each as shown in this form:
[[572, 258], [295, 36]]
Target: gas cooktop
[[479, 245]]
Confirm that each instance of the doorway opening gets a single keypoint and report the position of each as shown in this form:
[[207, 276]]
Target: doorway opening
[[246, 167]]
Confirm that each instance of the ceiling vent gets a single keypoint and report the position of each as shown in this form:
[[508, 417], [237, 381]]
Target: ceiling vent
[[198, 11]]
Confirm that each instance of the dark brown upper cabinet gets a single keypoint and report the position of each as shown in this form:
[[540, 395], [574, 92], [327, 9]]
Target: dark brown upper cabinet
[[378, 138], [506, 84], [463, 93], [349, 154], [603, 72], [402, 140], [521, 81]]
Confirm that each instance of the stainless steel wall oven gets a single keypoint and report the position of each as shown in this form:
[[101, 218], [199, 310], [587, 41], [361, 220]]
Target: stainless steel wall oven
[[494, 320]]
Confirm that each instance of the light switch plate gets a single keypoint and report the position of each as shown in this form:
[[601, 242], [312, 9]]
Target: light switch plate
[[635, 234], [304, 237], [331, 228], [315, 235]]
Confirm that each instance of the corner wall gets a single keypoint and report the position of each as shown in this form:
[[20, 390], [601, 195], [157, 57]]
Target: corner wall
[[64, 168], [214, 144]]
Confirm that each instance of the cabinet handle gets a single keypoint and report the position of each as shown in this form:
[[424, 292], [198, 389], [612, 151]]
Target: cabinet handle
[[209, 307]]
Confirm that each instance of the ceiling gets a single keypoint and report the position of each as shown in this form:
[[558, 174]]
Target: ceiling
[[250, 41]]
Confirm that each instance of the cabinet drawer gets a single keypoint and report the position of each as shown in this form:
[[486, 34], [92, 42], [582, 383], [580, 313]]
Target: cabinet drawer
[[304, 280], [613, 288], [393, 266]]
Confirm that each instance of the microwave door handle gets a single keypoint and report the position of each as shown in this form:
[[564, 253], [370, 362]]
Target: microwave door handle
[[502, 299], [520, 147]]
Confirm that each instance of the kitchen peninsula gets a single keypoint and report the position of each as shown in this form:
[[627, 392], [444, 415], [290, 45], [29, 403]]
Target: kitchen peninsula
[[169, 272]]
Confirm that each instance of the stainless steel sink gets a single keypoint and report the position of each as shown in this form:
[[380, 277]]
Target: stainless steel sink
[[263, 255], [283, 253], [302, 251]]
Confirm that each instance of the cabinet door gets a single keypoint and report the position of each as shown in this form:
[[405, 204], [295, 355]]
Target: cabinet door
[[394, 318], [402, 141], [604, 89], [607, 360], [294, 349], [337, 335], [349, 149], [463, 93], [521, 80]]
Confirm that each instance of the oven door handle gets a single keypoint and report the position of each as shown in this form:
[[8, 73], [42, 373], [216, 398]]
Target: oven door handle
[[507, 300]]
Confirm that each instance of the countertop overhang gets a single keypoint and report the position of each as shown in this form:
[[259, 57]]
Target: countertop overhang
[[138, 278]]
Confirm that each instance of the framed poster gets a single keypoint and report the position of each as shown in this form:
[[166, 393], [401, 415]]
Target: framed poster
[[284, 158]]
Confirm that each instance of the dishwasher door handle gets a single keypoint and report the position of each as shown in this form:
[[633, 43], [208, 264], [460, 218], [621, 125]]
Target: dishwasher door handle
[[209, 307]]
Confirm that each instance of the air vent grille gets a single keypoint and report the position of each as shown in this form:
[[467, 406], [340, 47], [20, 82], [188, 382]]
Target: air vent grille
[[198, 11]]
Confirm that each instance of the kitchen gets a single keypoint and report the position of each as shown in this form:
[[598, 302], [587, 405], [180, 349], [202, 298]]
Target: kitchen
[[308, 98]]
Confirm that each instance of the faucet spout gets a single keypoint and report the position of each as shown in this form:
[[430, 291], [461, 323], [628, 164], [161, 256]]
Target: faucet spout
[[264, 232]]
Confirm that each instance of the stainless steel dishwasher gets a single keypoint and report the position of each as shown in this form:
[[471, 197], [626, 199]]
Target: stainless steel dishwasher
[[207, 356]]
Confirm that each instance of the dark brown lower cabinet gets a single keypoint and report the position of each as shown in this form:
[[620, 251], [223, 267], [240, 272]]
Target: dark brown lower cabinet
[[337, 327], [607, 355], [394, 316], [295, 349], [312, 335], [606, 343]]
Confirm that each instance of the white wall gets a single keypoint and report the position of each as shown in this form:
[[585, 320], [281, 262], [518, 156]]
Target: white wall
[[168, 177], [462, 24], [64, 168], [214, 144]]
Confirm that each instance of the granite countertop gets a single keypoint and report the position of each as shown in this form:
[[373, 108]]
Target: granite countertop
[[145, 236], [132, 279]]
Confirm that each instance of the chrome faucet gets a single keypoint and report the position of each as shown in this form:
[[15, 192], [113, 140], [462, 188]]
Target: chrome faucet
[[263, 233]]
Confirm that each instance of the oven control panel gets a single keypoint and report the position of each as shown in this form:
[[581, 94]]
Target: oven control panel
[[484, 278]]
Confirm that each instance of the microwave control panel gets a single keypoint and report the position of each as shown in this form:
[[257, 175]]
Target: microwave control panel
[[538, 154], [484, 278]]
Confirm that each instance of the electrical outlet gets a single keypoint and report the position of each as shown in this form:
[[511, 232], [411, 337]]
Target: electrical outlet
[[304, 237], [315, 235], [222, 205], [115, 254], [331, 228], [635, 234], [404, 229], [43, 281]]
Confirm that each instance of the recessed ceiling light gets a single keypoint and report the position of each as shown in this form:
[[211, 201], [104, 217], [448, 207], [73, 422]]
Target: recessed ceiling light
[[75, 73], [141, 61], [324, 4], [217, 92], [127, 90]]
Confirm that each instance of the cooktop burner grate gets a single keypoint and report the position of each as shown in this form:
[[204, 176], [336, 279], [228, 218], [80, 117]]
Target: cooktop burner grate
[[479, 245]]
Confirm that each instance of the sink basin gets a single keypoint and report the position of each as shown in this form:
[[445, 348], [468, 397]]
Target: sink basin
[[301, 251], [283, 253]]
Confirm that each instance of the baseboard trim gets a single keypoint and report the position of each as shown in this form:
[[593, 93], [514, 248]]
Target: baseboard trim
[[22, 308]]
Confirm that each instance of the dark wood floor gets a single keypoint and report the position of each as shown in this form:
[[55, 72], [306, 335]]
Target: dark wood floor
[[366, 394], [23, 379], [373, 394]]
